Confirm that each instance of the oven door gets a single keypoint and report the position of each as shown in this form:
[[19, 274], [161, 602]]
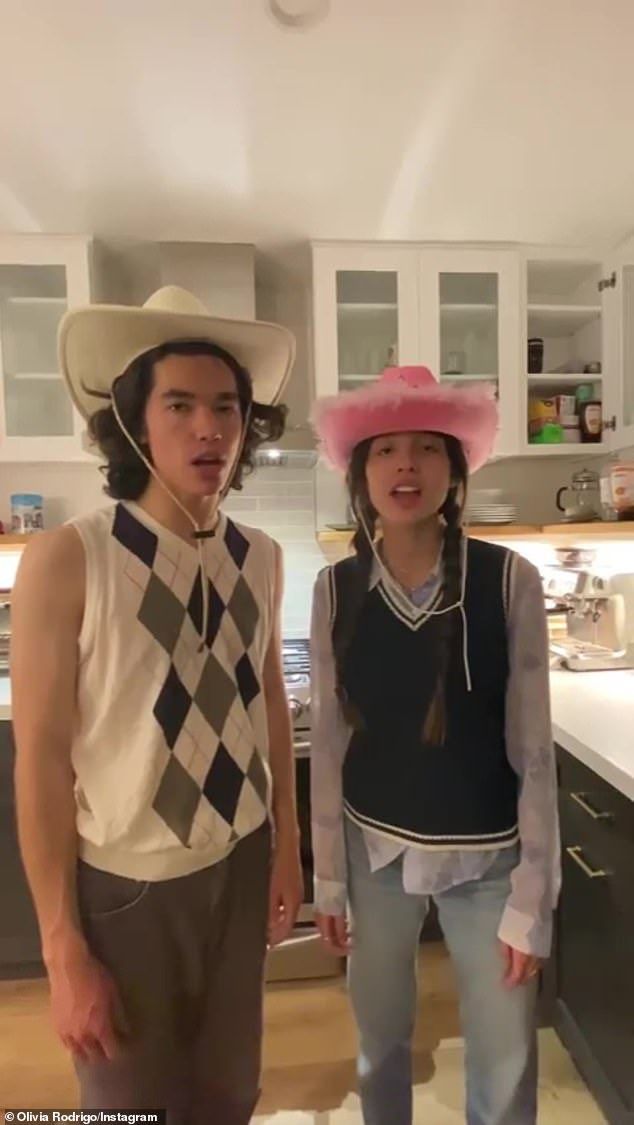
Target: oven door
[[303, 956]]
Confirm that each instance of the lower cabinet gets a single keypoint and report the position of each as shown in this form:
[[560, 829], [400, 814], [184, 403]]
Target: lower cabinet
[[20, 953], [594, 950]]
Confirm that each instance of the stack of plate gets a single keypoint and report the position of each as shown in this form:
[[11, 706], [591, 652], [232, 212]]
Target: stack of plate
[[494, 513], [490, 506]]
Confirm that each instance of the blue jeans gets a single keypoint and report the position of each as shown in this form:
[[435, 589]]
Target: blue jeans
[[499, 1025]]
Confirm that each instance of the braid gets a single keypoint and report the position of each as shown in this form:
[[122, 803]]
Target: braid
[[357, 593], [435, 725]]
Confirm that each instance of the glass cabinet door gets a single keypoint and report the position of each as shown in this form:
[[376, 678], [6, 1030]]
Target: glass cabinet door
[[33, 299], [468, 325], [367, 324], [365, 312]]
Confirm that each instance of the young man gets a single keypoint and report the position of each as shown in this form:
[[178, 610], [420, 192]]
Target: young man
[[153, 737]]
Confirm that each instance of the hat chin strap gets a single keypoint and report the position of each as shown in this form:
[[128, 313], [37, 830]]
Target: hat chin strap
[[199, 533]]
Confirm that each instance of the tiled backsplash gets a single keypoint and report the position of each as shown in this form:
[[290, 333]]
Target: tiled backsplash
[[279, 499], [281, 502]]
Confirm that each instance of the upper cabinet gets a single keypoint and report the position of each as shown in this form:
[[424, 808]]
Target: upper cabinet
[[565, 359], [549, 329], [40, 277], [469, 325], [619, 301], [454, 310], [365, 313]]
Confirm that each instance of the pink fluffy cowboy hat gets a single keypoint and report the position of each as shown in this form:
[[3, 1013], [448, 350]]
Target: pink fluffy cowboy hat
[[405, 399]]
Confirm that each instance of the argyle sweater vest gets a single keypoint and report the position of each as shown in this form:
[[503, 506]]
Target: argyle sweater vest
[[170, 749], [459, 795]]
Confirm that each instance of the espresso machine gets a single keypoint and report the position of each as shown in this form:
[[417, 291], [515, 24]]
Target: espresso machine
[[588, 620]]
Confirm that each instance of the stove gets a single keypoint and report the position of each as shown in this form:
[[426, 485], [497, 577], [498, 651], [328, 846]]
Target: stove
[[296, 669], [296, 662], [302, 956]]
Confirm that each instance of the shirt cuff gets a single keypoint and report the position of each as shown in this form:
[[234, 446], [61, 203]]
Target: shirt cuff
[[526, 933], [330, 897]]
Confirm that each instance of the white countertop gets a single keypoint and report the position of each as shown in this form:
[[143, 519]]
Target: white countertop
[[593, 718], [5, 696]]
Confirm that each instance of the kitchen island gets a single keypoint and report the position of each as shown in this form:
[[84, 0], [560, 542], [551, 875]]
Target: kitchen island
[[591, 974], [593, 719]]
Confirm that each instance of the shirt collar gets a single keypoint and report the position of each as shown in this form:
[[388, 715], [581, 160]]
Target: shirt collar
[[432, 579]]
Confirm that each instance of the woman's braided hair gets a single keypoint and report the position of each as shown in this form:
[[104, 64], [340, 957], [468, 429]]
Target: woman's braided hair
[[435, 724]]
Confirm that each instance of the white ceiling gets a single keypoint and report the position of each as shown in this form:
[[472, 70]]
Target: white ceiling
[[399, 119]]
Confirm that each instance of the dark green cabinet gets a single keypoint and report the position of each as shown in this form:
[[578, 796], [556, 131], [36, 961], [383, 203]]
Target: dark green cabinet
[[594, 958], [20, 953]]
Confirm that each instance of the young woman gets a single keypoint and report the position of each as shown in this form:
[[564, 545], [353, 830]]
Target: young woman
[[432, 763]]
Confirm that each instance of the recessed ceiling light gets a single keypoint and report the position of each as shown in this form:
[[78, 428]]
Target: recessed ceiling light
[[299, 13]]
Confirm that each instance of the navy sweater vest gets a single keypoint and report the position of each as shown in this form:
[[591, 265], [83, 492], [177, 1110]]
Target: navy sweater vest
[[462, 794]]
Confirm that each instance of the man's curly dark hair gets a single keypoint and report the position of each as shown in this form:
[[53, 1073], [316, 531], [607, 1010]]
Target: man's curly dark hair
[[126, 475]]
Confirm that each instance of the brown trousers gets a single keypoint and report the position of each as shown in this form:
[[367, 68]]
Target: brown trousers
[[187, 956]]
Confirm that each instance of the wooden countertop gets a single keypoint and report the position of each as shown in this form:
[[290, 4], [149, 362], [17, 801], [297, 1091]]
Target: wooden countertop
[[623, 529], [13, 541]]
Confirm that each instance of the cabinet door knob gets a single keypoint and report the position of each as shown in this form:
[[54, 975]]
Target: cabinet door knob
[[593, 873], [596, 814]]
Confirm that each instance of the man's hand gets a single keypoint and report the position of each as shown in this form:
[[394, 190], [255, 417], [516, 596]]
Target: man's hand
[[519, 968], [85, 1006], [335, 933], [287, 888]]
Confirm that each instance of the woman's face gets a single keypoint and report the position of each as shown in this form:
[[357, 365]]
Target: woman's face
[[408, 476]]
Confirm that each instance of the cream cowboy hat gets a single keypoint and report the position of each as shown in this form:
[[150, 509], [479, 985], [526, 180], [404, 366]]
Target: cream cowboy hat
[[97, 343]]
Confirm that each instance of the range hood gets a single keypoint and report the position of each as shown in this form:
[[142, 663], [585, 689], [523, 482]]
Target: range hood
[[295, 447], [272, 457]]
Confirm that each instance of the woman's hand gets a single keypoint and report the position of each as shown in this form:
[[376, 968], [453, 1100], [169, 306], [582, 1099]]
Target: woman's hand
[[519, 968], [335, 933]]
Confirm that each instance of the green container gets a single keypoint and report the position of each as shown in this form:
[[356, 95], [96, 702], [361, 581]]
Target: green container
[[551, 433]]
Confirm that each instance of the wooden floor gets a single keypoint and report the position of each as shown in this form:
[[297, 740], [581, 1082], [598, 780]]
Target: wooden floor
[[309, 1052], [310, 1043], [309, 1046]]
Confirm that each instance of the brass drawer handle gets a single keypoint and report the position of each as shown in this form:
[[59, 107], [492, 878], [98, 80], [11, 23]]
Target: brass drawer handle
[[577, 856], [582, 801]]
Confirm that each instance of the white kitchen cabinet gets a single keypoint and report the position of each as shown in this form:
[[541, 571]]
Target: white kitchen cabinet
[[365, 312], [469, 325], [468, 312], [456, 310], [619, 300], [40, 277], [565, 306]]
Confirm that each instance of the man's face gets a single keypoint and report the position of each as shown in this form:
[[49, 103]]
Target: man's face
[[193, 423]]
